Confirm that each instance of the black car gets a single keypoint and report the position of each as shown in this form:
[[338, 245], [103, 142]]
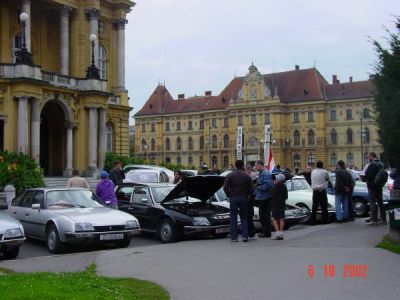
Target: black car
[[175, 211]]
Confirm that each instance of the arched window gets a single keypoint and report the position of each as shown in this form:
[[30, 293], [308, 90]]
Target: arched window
[[190, 161], [311, 137], [333, 159], [226, 161], [178, 160], [367, 135], [178, 144], [102, 62], [167, 144], [168, 160], [296, 160], [201, 143], [153, 145], [311, 158], [201, 160], [350, 159], [144, 145], [333, 137], [296, 138], [109, 137], [190, 143], [178, 126], [214, 160], [15, 46], [226, 141], [349, 135], [214, 141]]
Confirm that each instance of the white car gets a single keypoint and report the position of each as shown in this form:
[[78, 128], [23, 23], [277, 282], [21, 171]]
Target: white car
[[169, 172], [146, 176], [11, 236]]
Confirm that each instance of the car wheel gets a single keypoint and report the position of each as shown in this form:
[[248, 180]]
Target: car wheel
[[53, 240], [123, 243], [360, 207], [167, 232], [303, 206], [11, 253]]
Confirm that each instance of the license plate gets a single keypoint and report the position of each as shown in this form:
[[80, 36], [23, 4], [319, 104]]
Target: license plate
[[111, 236], [222, 230]]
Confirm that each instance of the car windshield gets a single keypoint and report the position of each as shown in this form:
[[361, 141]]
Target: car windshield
[[71, 198], [141, 177], [159, 194], [300, 185]]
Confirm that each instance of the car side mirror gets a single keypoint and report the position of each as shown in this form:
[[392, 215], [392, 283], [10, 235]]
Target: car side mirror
[[36, 206], [144, 201]]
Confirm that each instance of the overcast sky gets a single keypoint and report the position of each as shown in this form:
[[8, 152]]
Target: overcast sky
[[199, 45]]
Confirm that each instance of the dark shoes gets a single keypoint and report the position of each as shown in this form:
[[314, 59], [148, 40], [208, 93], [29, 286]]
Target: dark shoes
[[262, 235], [245, 240]]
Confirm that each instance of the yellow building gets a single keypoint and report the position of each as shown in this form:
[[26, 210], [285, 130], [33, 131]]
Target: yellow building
[[50, 108], [310, 120]]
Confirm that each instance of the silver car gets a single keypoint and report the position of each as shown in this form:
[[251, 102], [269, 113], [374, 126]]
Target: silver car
[[71, 215], [11, 236]]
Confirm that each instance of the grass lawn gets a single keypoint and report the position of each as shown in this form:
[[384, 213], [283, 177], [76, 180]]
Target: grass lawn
[[80, 285], [390, 245]]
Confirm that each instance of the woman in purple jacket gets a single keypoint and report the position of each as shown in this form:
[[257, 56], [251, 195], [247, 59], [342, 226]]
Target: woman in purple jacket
[[105, 191]]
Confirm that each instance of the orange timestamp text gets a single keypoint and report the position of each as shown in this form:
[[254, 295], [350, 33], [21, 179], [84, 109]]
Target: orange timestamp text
[[345, 271]]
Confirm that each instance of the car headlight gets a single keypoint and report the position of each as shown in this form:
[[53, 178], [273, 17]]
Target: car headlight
[[200, 221], [83, 227], [131, 224], [12, 233]]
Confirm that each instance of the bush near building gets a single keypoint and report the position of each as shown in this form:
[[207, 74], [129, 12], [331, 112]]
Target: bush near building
[[19, 170]]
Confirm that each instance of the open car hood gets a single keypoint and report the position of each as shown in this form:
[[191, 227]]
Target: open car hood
[[200, 187]]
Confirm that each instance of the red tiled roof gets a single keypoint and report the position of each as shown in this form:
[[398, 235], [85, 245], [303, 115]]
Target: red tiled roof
[[291, 87]]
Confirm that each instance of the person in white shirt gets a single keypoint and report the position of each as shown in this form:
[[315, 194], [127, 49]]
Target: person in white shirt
[[319, 184]]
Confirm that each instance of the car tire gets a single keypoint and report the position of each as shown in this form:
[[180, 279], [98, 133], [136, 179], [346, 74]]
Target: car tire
[[124, 243], [306, 220], [54, 244], [167, 232], [11, 253], [360, 207]]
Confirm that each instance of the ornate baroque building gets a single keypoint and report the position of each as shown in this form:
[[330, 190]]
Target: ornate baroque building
[[50, 109], [310, 120]]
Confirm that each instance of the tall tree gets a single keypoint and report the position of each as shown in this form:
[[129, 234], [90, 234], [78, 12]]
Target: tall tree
[[387, 95]]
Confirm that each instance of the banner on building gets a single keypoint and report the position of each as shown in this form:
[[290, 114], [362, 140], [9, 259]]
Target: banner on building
[[267, 142], [239, 143]]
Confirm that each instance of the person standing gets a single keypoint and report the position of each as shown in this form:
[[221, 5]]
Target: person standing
[[307, 174], [263, 198], [351, 216], [105, 191], [279, 194], [319, 184], [375, 190], [215, 170], [344, 185], [250, 206], [77, 181], [238, 186], [117, 175], [177, 177]]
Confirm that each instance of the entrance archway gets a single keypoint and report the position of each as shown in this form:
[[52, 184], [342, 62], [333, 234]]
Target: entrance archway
[[52, 139]]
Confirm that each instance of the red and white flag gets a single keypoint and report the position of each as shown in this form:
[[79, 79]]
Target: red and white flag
[[270, 163]]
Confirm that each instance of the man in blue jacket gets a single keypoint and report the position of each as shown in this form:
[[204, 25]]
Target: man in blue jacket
[[263, 198]]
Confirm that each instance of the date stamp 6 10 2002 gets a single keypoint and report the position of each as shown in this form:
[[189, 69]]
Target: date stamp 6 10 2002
[[331, 271]]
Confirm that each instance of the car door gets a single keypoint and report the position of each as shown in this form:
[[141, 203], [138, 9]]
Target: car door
[[124, 195], [23, 211], [140, 205], [17, 208], [37, 218]]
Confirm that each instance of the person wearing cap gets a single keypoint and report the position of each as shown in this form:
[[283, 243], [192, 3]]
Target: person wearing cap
[[105, 191], [279, 195]]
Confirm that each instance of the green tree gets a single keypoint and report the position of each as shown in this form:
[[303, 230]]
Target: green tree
[[387, 95]]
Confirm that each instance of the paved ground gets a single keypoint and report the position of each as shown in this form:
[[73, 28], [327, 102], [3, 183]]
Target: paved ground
[[261, 269]]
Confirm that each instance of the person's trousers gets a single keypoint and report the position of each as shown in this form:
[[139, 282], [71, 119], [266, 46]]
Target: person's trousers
[[264, 207], [342, 206], [238, 204], [319, 199], [250, 215], [375, 201], [350, 208]]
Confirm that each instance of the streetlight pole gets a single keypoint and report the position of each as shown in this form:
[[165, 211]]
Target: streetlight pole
[[92, 71], [361, 142], [23, 56]]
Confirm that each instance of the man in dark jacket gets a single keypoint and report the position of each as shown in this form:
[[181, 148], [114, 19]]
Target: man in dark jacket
[[307, 174], [375, 192], [344, 185], [238, 186], [117, 175]]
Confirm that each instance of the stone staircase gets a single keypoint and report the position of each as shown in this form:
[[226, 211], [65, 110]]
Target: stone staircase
[[61, 182]]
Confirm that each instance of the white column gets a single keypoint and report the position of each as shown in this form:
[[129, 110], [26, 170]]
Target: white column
[[92, 139], [93, 16], [23, 125], [120, 26], [64, 39], [69, 150], [102, 137], [26, 8], [35, 129]]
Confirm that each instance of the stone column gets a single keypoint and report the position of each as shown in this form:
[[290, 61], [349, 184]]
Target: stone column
[[26, 8], [35, 129], [69, 150], [23, 125], [64, 39], [93, 16], [120, 26], [102, 137], [92, 139]]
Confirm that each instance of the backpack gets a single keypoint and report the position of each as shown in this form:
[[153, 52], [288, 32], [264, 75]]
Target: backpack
[[381, 177]]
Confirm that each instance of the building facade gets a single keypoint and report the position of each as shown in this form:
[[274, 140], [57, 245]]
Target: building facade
[[51, 109], [310, 120]]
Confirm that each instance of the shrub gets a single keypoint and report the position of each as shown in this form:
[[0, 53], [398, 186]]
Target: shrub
[[19, 170]]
